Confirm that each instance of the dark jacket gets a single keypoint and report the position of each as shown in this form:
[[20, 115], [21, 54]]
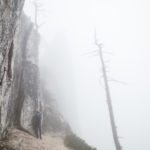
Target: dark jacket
[[37, 119]]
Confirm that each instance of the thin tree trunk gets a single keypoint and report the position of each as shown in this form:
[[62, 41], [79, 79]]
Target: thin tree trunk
[[109, 101]]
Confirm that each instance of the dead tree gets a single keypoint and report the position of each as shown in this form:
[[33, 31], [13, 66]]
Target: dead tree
[[108, 96]]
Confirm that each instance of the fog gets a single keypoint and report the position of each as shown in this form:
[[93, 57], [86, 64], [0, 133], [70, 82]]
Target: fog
[[73, 75]]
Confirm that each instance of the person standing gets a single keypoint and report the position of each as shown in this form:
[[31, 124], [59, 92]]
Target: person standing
[[37, 124]]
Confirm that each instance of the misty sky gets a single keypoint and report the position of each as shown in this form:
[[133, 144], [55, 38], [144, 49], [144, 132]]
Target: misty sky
[[75, 79]]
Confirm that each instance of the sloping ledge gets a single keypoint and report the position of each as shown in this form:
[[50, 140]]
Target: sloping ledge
[[18, 140]]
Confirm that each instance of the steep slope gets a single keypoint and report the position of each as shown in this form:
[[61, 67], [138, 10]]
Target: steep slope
[[18, 140]]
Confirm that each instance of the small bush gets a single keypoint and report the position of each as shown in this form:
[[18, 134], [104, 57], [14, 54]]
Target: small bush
[[76, 143]]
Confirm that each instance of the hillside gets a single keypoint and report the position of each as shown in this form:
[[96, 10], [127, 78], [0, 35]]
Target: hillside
[[18, 140]]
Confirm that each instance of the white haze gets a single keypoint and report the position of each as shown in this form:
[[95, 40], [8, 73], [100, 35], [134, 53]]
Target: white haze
[[74, 79]]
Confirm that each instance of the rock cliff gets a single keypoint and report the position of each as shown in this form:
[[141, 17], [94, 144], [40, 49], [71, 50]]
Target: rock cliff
[[21, 91]]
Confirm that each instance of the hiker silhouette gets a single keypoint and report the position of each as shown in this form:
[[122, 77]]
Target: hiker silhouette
[[37, 124]]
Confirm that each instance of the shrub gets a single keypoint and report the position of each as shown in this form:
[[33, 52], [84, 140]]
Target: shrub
[[76, 143]]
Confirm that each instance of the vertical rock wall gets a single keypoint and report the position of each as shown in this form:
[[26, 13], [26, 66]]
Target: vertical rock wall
[[19, 71], [10, 11], [26, 72]]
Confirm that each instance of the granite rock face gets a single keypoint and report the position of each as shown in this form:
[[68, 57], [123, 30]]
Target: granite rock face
[[24, 80], [26, 86], [10, 12], [20, 88]]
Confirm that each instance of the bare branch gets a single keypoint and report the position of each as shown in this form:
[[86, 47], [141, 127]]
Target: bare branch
[[89, 53], [117, 81]]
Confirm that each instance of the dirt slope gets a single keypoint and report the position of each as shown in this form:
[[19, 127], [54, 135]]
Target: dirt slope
[[18, 140]]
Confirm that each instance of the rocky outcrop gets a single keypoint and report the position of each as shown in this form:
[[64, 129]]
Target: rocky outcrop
[[20, 88], [26, 94], [10, 12]]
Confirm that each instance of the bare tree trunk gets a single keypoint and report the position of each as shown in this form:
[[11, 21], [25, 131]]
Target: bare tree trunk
[[109, 101]]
